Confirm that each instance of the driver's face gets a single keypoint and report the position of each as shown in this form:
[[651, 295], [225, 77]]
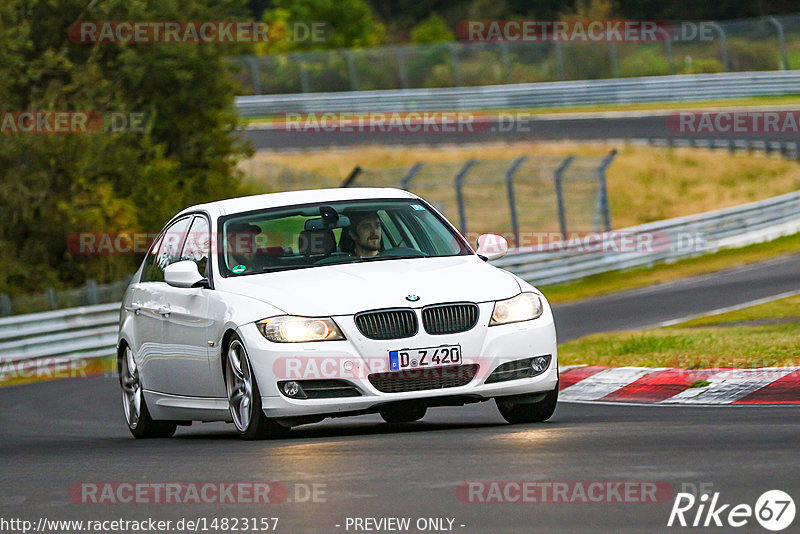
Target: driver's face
[[367, 233]]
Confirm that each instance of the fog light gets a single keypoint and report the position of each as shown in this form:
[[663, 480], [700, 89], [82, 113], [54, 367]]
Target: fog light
[[292, 389], [539, 364]]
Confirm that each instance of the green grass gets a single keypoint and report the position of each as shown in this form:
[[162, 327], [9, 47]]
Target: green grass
[[699, 344], [605, 283]]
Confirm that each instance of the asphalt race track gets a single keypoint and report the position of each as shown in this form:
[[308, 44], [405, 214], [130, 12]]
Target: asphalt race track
[[525, 127], [57, 434]]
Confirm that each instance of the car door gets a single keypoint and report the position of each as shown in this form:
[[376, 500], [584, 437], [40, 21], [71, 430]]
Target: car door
[[156, 364], [187, 323]]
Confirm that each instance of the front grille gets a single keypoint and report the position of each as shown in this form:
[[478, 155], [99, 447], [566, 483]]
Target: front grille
[[421, 379], [449, 318], [387, 324]]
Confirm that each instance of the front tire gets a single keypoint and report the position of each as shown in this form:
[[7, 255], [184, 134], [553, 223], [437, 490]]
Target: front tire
[[141, 425], [244, 396], [518, 409]]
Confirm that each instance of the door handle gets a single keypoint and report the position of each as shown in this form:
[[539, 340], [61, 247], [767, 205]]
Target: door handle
[[164, 312]]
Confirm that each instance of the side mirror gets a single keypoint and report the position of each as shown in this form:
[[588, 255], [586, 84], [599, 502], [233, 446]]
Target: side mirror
[[491, 246], [182, 274]]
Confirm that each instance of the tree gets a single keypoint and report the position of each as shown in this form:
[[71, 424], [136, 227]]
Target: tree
[[54, 185], [432, 30]]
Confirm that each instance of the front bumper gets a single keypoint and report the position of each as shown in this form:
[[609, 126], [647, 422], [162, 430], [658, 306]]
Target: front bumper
[[355, 358]]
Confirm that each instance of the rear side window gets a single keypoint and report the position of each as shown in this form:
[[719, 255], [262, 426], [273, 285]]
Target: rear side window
[[168, 251], [197, 245]]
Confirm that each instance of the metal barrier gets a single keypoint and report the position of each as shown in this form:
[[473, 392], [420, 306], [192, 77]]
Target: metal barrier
[[669, 240], [32, 345], [787, 149], [681, 88]]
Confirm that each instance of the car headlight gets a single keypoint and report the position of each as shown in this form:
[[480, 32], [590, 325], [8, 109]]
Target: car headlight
[[523, 307], [293, 329]]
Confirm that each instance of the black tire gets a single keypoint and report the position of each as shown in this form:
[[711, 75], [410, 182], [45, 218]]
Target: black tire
[[258, 426], [140, 424], [403, 414], [518, 409]]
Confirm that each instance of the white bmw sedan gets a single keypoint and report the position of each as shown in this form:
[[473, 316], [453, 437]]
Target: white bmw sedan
[[278, 310]]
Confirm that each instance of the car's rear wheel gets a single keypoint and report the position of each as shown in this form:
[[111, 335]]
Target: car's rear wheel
[[244, 397], [137, 415], [518, 409], [403, 414]]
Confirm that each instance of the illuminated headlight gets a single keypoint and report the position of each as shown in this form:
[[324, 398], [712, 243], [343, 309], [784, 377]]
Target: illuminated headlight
[[292, 329], [523, 307]]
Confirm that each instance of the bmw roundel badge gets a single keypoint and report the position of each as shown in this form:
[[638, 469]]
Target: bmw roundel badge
[[412, 298]]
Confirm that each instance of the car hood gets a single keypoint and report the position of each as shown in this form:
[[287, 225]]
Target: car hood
[[351, 288]]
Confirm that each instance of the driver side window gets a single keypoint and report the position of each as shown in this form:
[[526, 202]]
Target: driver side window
[[168, 251]]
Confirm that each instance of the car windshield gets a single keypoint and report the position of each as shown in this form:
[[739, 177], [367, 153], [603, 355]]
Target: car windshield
[[334, 233]]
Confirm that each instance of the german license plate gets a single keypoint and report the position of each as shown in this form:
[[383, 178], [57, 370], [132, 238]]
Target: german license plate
[[425, 357]]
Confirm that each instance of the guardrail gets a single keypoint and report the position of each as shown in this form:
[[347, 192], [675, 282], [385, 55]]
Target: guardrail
[[686, 87], [53, 342], [37, 341], [669, 239]]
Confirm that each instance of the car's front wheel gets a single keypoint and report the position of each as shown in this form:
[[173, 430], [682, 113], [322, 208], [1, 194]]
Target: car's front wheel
[[244, 397], [517, 409], [137, 415]]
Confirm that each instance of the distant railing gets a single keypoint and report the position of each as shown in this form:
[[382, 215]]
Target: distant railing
[[685, 88]]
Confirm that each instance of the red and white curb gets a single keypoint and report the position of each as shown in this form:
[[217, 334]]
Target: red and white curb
[[767, 385]]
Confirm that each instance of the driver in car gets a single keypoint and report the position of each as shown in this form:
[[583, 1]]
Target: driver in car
[[363, 236]]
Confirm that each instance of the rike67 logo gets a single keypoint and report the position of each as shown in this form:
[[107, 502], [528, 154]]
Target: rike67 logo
[[774, 510]]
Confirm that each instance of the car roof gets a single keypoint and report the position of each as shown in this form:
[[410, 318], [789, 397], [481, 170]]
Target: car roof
[[291, 198]]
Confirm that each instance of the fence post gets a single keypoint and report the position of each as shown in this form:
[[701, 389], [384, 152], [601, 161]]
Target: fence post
[[613, 56], [254, 74], [52, 298], [668, 49], [459, 183], [401, 65], [557, 176], [410, 175], [723, 45], [5, 305], [512, 201], [351, 178], [602, 211], [305, 83], [560, 61], [456, 63], [781, 43], [506, 60], [91, 292], [351, 68]]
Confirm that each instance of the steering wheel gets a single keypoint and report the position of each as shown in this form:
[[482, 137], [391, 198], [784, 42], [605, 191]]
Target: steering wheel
[[335, 257]]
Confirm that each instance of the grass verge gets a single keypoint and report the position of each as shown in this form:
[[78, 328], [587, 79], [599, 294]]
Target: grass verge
[[611, 282], [766, 335]]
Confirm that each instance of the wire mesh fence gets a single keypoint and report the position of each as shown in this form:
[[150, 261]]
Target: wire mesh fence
[[767, 43], [51, 299]]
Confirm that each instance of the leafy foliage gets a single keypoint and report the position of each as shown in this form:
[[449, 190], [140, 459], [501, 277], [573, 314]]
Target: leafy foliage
[[53, 185]]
